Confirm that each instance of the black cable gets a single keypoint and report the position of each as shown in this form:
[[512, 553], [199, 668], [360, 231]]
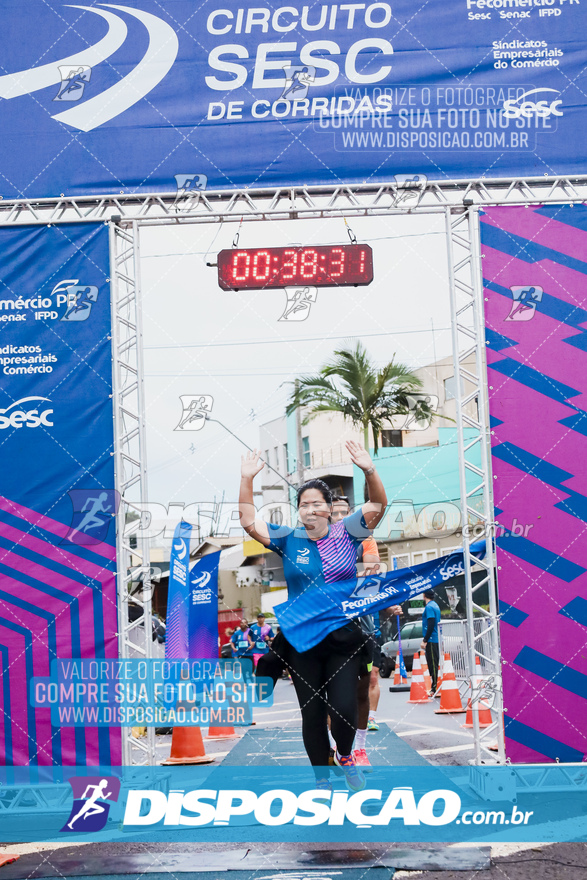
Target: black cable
[[291, 485]]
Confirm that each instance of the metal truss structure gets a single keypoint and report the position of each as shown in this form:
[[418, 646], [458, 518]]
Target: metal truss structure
[[471, 393], [349, 200], [460, 201], [133, 582]]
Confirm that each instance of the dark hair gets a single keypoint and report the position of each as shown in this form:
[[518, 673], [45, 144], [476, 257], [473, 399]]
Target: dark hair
[[337, 498], [429, 594], [260, 614], [322, 487]]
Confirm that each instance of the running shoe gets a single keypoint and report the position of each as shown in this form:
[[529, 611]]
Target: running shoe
[[372, 724], [361, 760], [355, 780], [325, 786]]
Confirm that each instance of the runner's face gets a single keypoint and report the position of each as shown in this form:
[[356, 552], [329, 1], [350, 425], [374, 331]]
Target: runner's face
[[314, 510], [340, 509]]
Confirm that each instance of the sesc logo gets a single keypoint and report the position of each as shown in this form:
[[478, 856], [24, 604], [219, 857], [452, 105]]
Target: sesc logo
[[202, 581], [19, 415], [449, 571], [514, 110]]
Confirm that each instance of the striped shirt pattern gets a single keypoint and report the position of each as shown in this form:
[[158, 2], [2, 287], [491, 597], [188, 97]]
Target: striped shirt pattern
[[338, 554]]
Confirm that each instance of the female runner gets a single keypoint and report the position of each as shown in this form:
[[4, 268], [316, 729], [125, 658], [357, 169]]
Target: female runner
[[319, 553]]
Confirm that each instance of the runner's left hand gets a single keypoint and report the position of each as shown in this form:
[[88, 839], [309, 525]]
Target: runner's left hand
[[359, 455]]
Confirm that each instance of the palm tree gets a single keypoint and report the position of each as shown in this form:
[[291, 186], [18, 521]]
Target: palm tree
[[350, 384]]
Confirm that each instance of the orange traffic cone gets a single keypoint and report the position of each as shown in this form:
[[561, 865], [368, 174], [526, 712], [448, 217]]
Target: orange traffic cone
[[418, 692], [450, 698], [399, 684], [187, 747], [485, 719], [221, 733], [484, 711], [425, 673]]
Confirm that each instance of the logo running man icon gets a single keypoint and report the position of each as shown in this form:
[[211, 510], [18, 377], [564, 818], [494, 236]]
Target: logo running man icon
[[90, 808], [93, 511]]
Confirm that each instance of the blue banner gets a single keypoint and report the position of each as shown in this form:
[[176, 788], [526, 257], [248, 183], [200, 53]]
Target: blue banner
[[57, 495], [146, 96], [402, 666], [203, 607], [199, 804], [308, 618], [176, 631]]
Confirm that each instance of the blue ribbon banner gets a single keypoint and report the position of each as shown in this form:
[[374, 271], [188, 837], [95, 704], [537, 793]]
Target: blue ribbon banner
[[203, 607], [176, 633], [153, 96], [319, 610]]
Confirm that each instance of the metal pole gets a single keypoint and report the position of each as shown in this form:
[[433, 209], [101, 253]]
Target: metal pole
[[299, 440], [122, 563], [488, 507], [147, 592], [454, 313]]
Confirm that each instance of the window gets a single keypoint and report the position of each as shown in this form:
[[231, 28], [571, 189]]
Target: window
[[392, 438], [267, 461], [286, 459], [306, 451], [275, 516], [400, 561], [276, 454], [424, 556]]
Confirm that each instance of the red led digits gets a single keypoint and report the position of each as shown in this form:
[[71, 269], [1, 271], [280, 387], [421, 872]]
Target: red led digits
[[309, 265], [261, 265], [276, 268], [337, 262], [241, 263], [290, 266]]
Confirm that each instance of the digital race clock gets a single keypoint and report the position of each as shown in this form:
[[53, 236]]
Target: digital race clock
[[320, 266]]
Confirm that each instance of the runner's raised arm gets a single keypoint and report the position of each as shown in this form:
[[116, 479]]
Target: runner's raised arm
[[374, 508], [251, 465]]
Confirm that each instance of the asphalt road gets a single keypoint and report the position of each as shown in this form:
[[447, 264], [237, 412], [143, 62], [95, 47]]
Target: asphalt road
[[440, 739]]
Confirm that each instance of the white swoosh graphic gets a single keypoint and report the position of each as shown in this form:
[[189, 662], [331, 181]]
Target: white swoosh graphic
[[12, 85], [155, 64], [181, 550]]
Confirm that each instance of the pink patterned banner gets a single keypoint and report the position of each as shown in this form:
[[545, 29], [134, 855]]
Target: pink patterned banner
[[535, 289]]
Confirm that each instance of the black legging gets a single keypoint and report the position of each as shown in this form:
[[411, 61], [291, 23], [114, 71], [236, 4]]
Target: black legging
[[432, 658], [325, 679], [272, 664]]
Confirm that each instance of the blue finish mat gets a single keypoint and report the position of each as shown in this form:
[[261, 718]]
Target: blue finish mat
[[272, 747]]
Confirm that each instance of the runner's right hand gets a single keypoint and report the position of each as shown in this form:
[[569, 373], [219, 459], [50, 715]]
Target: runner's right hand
[[251, 464]]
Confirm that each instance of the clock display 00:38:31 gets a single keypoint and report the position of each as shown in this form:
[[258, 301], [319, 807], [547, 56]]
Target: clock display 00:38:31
[[320, 266]]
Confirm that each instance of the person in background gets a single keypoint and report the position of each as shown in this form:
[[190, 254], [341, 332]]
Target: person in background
[[430, 621], [241, 646], [368, 690], [260, 637]]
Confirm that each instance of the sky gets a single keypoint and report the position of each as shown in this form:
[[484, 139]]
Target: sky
[[200, 339]]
